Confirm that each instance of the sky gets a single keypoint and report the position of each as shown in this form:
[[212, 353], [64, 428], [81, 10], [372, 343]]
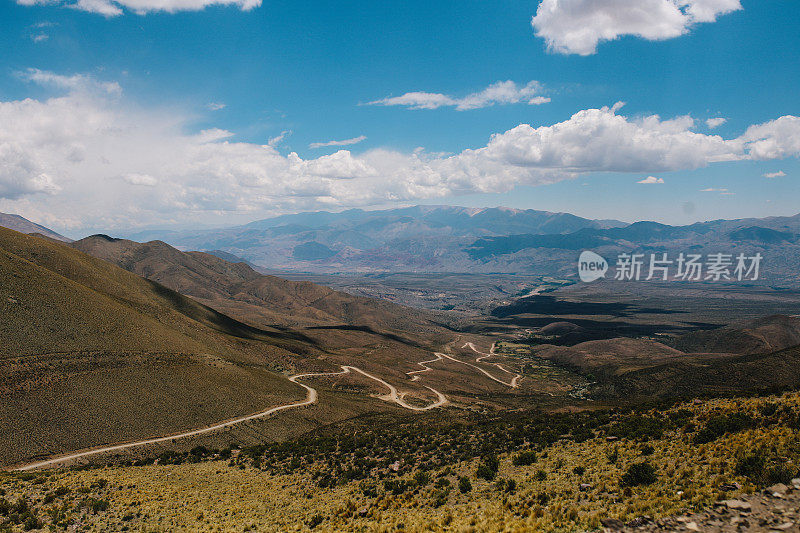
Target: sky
[[129, 114]]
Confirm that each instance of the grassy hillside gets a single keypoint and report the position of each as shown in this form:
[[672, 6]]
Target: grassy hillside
[[529, 472], [93, 354]]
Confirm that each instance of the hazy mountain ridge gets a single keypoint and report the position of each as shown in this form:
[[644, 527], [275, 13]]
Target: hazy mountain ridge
[[461, 239], [23, 225], [419, 238]]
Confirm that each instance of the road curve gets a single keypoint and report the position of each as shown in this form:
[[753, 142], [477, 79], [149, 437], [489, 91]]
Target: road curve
[[514, 383], [425, 367], [393, 395], [311, 398]]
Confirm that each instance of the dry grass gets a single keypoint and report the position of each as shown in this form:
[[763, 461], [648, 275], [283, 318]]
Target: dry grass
[[232, 495]]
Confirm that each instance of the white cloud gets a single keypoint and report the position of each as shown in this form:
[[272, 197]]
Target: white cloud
[[75, 82], [113, 8], [712, 189], [215, 106], [140, 179], [89, 158], [275, 141], [346, 142], [651, 180], [776, 139], [39, 37], [501, 92], [578, 26], [778, 174], [716, 122]]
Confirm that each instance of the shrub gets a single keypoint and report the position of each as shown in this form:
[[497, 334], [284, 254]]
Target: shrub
[[421, 479], [757, 468], [395, 486], [612, 455], [369, 489], [98, 505], [315, 521], [488, 468], [639, 474], [464, 484], [647, 450], [718, 426], [525, 458], [506, 485], [638, 427], [579, 470]]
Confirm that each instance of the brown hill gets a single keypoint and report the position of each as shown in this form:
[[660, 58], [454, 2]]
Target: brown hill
[[767, 334], [91, 354], [763, 354], [23, 225], [721, 374], [613, 355], [260, 300]]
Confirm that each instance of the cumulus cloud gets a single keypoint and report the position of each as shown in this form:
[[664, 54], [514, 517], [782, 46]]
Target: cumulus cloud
[[716, 122], [90, 158], [776, 139], [778, 174], [113, 8], [501, 92], [345, 142], [651, 180], [578, 26]]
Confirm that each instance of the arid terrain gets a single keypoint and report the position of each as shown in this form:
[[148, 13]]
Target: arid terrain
[[523, 403]]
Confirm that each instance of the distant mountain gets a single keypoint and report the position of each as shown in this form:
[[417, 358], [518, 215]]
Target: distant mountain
[[420, 238], [492, 240], [23, 225], [776, 238]]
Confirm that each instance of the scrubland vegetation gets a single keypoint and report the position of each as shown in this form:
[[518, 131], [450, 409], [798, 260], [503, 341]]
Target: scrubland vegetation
[[550, 472]]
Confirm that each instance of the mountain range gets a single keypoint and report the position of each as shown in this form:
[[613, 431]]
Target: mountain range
[[448, 239], [420, 238]]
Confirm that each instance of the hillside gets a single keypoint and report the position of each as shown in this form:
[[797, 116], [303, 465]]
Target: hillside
[[760, 355], [261, 300], [23, 225], [549, 472], [92, 354]]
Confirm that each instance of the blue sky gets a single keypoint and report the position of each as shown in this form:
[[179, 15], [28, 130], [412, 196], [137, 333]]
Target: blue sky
[[309, 71]]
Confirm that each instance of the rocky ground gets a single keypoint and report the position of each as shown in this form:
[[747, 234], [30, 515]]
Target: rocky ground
[[776, 509]]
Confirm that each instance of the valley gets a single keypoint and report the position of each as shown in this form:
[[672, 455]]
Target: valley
[[182, 361]]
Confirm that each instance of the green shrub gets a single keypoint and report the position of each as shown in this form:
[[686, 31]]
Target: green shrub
[[464, 484], [639, 474], [421, 479], [719, 425], [524, 458], [488, 468]]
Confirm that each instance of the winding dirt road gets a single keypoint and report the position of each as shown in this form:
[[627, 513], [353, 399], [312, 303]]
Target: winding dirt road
[[397, 398], [311, 398], [514, 383]]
